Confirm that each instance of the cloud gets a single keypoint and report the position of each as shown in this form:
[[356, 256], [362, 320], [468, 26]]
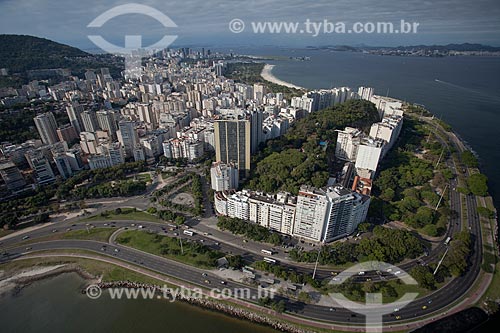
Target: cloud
[[206, 22]]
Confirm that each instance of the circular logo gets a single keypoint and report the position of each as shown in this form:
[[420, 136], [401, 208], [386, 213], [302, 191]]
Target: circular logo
[[236, 26], [93, 291]]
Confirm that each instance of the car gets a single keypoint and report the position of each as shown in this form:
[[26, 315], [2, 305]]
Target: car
[[207, 281], [105, 224], [217, 243], [73, 225], [69, 229], [397, 272], [28, 248], [424, 307], [332, 309], [334, 273], [176, 234], [26, 237], [103, 248], [368, 280], [223, 282], [117, 250], [336, 279], [202, 240], [245, 241], [204, 274], [396, 309], [55, 230], [361, 273], [398, 317], [388, 270], [132, 224], [430, 301]]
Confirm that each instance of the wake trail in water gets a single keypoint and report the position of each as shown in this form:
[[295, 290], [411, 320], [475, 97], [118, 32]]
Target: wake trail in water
[[478, 92]]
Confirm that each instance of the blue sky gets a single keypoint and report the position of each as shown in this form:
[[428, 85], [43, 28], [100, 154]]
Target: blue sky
[[205, 23]]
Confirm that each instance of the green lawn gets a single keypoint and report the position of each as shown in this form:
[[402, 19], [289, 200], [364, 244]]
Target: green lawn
[[192, 253], [126, 214], [96, 234]]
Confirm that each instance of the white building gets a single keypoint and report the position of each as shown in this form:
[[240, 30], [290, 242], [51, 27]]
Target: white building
[[348, 142], [223, 176], [310, 214], [369, 154], [347, 210]]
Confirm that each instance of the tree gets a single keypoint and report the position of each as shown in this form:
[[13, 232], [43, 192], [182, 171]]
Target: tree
[[424, 277], [478, 184], [304, 297], [469, 159]]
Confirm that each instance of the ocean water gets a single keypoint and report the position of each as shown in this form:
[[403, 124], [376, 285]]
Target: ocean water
[[57, 305]]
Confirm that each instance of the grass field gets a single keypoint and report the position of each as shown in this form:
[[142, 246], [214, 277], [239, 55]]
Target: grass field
[[126, 214], [191, 253]]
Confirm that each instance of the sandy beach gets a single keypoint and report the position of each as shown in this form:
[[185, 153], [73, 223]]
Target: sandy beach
[[268, 76]]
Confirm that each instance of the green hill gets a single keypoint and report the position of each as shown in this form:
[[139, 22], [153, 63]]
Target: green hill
[[21, 53]]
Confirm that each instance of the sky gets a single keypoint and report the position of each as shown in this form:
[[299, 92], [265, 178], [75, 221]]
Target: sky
[[206, 23]]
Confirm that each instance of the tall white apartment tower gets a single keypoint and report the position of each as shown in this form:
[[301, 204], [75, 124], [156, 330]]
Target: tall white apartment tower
[[47, 127]]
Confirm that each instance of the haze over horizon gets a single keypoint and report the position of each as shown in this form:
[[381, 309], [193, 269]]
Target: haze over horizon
[[206, 24]]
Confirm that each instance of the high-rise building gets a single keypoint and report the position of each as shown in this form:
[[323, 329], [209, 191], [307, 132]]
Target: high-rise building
[[74, 112], [388, 130], [233, 143], [348, 142], [223, 176], [259, 91], [107, 122], [63, 165], [369, 154], [365, 93], [11, 176], [67, 133], [43, 170], [89, 121], [127, 135], [310, 214], [47, 127], [347, 210]]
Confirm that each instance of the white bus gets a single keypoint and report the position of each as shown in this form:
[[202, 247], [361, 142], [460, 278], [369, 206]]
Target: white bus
[[267, 252], [188, 232], [447, 241], [269, 260]]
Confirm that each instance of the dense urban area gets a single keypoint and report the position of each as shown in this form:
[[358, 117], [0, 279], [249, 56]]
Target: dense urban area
[[203, 171]]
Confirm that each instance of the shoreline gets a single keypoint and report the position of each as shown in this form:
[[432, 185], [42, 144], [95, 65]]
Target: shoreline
[[19, 282], [267, 75]]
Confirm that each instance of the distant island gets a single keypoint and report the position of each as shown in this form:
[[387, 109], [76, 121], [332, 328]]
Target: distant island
[[465, 49]]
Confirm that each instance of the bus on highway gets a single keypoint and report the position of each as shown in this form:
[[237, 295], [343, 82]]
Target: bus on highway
[[447, 241], [267, 252], [188, 232], [269, 260]]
